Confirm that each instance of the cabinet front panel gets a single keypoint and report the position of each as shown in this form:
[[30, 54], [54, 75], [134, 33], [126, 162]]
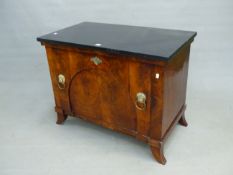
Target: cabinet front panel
[[103, 88]]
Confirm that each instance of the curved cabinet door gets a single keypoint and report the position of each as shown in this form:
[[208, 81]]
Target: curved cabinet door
[[100, 92]]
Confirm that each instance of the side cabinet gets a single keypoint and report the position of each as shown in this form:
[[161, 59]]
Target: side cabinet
[[121, 93], [125, 78]]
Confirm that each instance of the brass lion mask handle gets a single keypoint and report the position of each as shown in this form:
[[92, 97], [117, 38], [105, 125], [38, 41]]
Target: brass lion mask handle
[[140, 101], [61, 81]]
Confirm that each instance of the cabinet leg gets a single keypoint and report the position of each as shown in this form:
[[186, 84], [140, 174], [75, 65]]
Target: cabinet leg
[[183, 121], [61, 118], [157, 152]]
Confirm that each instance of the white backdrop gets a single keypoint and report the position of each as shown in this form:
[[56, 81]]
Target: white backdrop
[[31, 142]]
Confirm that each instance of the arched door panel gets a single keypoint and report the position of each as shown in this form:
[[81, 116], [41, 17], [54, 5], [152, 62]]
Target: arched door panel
[[101, 92]]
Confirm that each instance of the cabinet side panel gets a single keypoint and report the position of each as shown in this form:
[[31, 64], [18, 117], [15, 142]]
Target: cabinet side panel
[[175, 82]]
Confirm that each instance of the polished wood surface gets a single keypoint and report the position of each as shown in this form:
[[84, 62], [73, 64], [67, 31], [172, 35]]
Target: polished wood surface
[[144, 98]]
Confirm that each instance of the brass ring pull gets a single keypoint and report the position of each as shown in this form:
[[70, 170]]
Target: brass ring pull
[[140, 101], [61, 81]]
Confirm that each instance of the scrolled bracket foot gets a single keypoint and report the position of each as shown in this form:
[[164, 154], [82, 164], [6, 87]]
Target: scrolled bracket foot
[[157, 152], [61, 116], [183, 121]]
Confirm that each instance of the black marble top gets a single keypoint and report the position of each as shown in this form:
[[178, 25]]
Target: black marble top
[[152, 43]]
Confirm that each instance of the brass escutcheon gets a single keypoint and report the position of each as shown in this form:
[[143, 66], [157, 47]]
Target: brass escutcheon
[[96, 60]]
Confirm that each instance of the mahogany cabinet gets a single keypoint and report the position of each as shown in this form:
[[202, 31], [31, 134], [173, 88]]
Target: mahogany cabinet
[[125, 78]]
